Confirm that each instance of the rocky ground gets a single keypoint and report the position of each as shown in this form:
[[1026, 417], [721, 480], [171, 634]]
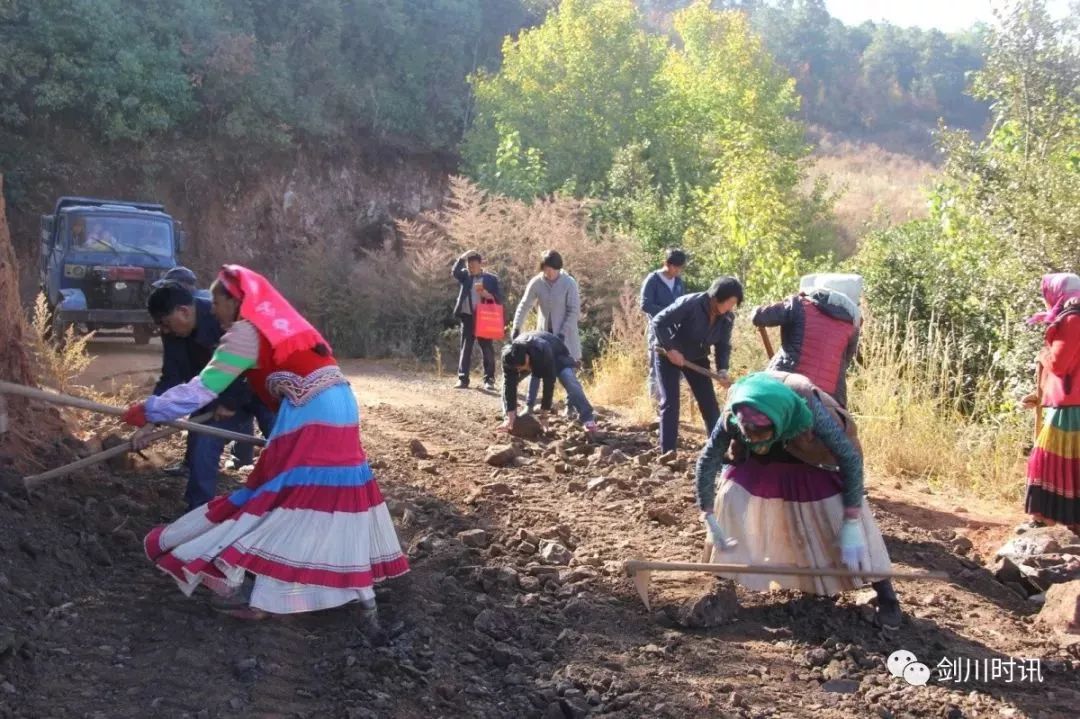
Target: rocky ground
[[516, 606]]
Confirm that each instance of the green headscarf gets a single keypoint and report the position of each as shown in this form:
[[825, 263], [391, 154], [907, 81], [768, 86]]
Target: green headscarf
[[786, 410]]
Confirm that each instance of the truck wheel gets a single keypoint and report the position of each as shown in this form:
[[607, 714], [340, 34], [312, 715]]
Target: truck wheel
[[142, 334]]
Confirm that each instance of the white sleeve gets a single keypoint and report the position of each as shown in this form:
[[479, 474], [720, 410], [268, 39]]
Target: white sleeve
[[179, 401]]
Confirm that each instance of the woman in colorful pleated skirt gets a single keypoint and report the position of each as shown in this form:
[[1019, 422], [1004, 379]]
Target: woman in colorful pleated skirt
[[309, 530], [791, 491], [1053, 472]]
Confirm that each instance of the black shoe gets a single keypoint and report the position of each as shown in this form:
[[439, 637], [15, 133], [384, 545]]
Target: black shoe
[[462, 384], [889, 615]]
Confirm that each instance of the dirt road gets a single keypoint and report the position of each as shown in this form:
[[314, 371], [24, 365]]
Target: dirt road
[[485, 626]]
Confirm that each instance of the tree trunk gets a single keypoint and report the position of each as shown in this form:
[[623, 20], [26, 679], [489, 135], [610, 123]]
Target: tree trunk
[[26, 428]]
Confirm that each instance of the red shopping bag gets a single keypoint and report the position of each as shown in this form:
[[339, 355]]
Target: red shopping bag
[[489, 321]]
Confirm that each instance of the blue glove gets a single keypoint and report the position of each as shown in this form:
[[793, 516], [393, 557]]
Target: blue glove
[[853, 546], [720, 540]]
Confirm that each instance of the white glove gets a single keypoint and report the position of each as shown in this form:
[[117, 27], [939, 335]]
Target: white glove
[[720, 540], [853, 546]]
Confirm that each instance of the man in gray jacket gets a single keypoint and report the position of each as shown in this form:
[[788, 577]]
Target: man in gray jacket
[[559, 302]]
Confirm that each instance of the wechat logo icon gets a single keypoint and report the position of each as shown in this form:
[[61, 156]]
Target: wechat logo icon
[[903, 664]]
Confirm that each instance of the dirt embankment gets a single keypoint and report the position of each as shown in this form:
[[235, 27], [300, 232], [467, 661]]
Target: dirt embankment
[[260, 212], [24, 429], [516, 605]]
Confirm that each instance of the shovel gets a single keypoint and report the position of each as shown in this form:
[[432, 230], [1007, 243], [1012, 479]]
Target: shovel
[[129, 446], [80, 403], [641, 572], [700, 370]]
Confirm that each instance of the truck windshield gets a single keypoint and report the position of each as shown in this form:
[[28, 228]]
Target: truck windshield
[[119, 235]]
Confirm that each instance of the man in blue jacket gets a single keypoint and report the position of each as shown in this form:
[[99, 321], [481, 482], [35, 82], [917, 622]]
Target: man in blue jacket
[[685, 331], [189, 335], [660, 289], [476, 286]]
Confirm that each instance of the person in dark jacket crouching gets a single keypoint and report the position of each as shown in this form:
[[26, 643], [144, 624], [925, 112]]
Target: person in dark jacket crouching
[[685, 331], [545, 357]]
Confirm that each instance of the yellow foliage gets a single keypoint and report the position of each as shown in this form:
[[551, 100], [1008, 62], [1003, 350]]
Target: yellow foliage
[[60, 359], [913, 406]]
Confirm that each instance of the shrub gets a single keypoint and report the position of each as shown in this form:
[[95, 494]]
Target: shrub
[[398, 300], [60, 358]]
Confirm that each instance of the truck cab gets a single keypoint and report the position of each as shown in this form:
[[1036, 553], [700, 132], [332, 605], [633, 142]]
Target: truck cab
[[100, 258]]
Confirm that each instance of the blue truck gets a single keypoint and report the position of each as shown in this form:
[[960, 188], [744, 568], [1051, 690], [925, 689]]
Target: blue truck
[[99, 260]]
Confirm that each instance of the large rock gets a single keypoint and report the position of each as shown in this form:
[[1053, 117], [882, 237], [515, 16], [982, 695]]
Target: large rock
[[473, 538], [663, 516], [555, 552], [527, 426], [496, 623], [501, 455], [1039, 558], [494, 579], [709, 610], [1009, 572], [1062, 608], [417, 449], [1042, 540]]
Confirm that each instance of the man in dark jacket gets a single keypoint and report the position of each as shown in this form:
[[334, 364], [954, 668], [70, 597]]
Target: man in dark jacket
[[660, 289], [476, 286], [685, 331], [189, 335], [544, 356]]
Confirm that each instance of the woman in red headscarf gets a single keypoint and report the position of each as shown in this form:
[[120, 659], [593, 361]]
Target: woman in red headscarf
[[1053, 475], [309, 530]]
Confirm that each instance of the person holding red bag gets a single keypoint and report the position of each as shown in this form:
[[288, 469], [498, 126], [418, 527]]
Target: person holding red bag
[[477, 287]]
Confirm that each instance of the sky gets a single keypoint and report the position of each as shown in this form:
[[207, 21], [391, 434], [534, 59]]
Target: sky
[[946, 15]]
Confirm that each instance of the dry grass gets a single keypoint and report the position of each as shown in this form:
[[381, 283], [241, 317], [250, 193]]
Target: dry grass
[[875, 187], [618, 375], [511, 235], [918, 416], [398, 300], [58, 360]]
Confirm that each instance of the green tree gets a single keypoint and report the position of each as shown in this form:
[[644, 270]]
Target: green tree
[[576, 88], [1006, 208], [723, 96], [734, 135], [106, 67]]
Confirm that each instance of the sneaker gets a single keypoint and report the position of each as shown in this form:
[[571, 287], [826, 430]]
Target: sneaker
[[489, 386], [462, 384], [591, 427], [178, 469]]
